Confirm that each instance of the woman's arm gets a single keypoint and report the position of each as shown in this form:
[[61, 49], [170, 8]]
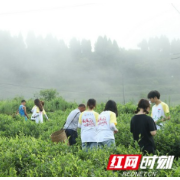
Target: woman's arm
[[152, 127], [113, 122], [46, 116], [153, 133], [113, 127], [34, 114], [44, 112], [32, 110]]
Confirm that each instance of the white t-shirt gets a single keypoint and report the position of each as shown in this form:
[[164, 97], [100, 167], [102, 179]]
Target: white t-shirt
[[87, 122], [37, 115], [104, 131], [72, 120], [159, 111]]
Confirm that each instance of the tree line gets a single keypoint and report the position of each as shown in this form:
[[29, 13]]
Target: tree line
[[81, 70]]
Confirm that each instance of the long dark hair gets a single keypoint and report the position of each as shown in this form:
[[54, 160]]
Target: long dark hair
[[42, 102], [91, 103], [111, 106], [37, 102], [144, 104]]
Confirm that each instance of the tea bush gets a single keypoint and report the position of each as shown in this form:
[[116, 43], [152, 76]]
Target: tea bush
[[11, 106], [27, 156], [26, 148]]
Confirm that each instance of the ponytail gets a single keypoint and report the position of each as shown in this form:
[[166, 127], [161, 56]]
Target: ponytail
[[145, 110], [91, 103], [91, 106], [143, 104], [137, 110]]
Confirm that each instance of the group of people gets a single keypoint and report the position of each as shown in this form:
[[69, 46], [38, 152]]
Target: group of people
[[97, 130], [94, 127], [37, 111]]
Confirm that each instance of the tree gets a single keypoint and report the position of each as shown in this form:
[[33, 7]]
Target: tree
[[48, 94], [75, 48], [143, 45], [154, 45], [165, 46], [101, 45], [175, 47], [86, 47]]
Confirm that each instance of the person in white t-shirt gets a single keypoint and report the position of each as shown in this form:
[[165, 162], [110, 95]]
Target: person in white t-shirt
[[71, 124], [160, 111], [87, 123], [38, 112], [37, 115], [106, 125]]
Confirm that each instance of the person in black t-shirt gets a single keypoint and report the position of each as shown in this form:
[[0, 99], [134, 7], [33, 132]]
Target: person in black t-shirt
[[143, 127]]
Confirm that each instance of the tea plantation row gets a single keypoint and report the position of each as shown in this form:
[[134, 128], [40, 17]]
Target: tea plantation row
[[26, 148]]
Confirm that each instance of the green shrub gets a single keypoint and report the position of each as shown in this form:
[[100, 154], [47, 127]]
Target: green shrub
[[26, 148]]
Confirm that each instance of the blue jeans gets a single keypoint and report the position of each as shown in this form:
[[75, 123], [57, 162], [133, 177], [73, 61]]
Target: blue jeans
[[108, 143], [89, 145]]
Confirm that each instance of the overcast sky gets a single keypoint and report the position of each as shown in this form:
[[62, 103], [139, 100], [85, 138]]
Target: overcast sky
[[127, 21]]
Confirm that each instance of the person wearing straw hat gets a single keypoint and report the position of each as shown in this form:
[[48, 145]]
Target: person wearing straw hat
[[71, 124]]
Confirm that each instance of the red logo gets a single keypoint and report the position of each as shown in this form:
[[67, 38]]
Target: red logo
[[124, 162], [88, 122], [102, 121]]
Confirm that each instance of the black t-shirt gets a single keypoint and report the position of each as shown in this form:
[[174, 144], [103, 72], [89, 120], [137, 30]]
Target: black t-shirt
[[141, 125]]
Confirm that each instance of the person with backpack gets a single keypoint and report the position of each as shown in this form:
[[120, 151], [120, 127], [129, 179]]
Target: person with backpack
[[71, 123], [87, 122], [106, 126]]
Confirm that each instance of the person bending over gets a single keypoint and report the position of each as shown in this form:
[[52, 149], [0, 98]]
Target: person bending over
[[71, 124]]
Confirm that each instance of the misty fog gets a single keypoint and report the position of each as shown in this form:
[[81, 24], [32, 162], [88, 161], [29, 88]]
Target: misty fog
[[99, 49], [78, 72]]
